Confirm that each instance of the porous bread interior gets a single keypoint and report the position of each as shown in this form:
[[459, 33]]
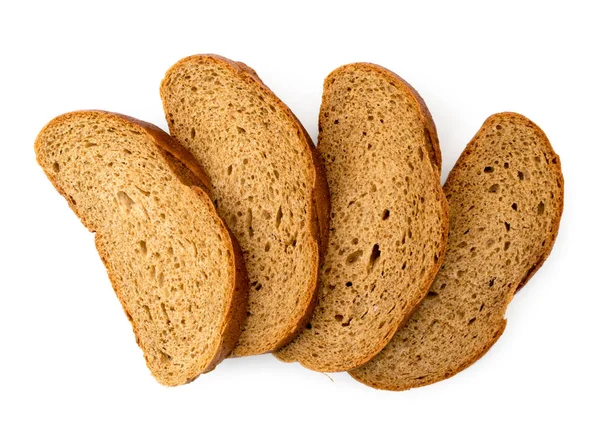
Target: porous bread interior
[[388, 220], [262, 177], [505, 196], [167, 254]]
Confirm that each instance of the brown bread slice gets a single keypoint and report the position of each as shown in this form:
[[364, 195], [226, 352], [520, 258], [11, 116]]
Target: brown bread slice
[[267, 184], [172, 262], [388, 217], [506, 198]]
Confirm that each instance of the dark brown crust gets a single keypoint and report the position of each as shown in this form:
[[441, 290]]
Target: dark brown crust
[[237, 310], [421, 383], [431, 136], [319, 208], [236, 314], [545, 143]]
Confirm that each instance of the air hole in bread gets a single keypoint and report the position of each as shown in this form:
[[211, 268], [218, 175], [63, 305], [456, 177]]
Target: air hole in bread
[[143, 248], [386, 214], [432, 294], [507, 226], [56, 167], [488, 170], [346, 324], [348, 284], [521, 175], [249, 222], [240, 129], [147, 310], [540, 208], [125, 201], [127, 151], [278, 217], [506, 245], [375, 254], [472, 320], [339, 317], [144, 192], [494, 188], [506, 165], [353, 257]]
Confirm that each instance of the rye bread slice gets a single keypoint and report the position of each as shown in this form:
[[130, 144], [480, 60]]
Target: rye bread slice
[[506, 198], [172, 262], [267, 184], [388, 217]]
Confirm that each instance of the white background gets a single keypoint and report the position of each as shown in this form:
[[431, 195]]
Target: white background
[[66, 349]]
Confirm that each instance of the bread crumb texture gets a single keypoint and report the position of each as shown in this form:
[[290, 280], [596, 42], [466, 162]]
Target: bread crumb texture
[[505, 195], [263, 180], [168, 255], [388, 218]]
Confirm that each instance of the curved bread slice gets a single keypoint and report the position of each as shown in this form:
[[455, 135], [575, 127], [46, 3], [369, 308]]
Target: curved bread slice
[[388, 217], [266, 183], [506, 198], [172, 262]]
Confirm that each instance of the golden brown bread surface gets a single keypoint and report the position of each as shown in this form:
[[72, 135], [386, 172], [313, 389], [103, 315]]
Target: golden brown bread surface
[[388, 217], [506, 198], [171, 260], [267, 184]]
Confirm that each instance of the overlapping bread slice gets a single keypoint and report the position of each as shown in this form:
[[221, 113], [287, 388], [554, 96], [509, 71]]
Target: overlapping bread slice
[[388, 217], [266, 183], [506, 198], [172, 262]]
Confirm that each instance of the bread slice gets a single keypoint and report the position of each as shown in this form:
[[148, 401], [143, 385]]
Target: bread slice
[[267, 184], [388, 217], [506, 198], [172, 262]]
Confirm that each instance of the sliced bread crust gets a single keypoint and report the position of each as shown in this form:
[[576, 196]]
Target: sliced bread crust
[[388, 217], [175, 267], [267, 183], [506, 199]]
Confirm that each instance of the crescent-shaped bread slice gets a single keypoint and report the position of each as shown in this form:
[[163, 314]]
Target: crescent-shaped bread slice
[[505, 195], [266, 182], [173, 264], [388, 217]]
